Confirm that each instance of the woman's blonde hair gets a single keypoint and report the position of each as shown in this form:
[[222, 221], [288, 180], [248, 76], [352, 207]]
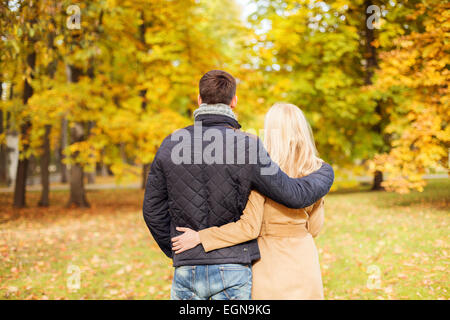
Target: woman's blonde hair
[[289, 140]]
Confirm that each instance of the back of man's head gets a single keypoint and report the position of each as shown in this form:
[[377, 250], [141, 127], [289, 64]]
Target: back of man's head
[[217, 86]]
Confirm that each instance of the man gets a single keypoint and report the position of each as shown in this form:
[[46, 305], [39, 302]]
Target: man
[[201, 177]]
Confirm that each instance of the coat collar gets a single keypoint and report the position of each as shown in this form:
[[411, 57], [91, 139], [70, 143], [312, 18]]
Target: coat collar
[[209, 120]]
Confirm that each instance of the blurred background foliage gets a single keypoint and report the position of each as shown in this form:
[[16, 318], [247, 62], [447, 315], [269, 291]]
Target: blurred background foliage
[[100, 96]]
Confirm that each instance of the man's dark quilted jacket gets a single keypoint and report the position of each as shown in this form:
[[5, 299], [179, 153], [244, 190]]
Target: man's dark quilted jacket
[[202, 195]]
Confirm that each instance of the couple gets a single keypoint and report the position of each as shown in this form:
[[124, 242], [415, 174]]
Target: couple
[[206, 215]]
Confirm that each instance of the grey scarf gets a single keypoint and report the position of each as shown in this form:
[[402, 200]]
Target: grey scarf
[[218, 108]]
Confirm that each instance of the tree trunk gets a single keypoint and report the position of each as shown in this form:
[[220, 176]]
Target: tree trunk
[[90, 175], [101, 168], [6, 149], [3, 148], [77, 134], [4, 179], [145, 166], [105, 172], [145, 170], [44, 163], [62, 146], [77, 191], [22, 167], [142, 94], [371, 65], [45, 157], [21, 177], [377, 180]]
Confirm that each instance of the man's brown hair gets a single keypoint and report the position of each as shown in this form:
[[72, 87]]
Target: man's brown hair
[[217, 86]]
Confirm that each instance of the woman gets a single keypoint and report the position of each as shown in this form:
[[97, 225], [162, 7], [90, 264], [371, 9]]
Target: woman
[[289, 265]]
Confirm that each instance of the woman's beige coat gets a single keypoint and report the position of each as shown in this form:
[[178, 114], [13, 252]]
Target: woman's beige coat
[[289, 265]]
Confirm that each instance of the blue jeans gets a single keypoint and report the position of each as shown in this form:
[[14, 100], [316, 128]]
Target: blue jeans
[[215, 282]]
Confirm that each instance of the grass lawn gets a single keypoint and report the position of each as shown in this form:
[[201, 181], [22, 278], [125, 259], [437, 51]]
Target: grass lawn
[[374, 245]]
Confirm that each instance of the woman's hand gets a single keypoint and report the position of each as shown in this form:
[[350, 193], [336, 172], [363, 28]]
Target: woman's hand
[[188, 240]]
